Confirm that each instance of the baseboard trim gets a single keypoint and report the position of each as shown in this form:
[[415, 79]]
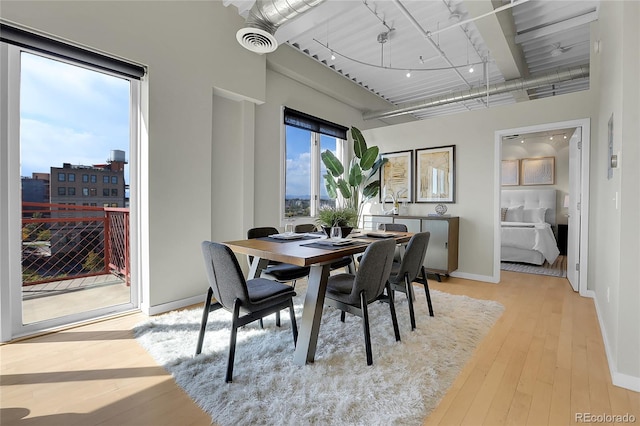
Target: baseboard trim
[[618, 379], [171, 306], [474, 277]]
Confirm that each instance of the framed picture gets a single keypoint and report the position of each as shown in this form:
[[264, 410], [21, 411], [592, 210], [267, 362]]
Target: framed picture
[[538, 171], [510, 172], [396, 176], [435, 174]]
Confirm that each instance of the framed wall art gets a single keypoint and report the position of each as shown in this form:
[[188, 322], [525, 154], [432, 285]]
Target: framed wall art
[[538, 171], [510, 172], [435, 175], [396, 176]]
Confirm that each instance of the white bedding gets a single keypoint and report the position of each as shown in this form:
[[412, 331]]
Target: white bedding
[[531, 236]]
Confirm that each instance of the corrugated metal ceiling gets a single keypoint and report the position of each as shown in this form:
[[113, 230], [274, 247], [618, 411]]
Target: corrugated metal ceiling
[[548, 35]]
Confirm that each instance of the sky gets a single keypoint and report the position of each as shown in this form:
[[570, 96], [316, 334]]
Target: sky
[[70, 114], [299, 161]]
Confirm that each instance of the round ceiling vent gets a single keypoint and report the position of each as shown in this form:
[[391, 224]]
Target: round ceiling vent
[[256, 40]]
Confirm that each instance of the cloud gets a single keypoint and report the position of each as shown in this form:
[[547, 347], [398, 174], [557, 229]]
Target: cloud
[[69, 114]]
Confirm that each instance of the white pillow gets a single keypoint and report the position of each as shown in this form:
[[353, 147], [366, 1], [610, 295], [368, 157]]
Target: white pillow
[[515, 214], [534, 215]]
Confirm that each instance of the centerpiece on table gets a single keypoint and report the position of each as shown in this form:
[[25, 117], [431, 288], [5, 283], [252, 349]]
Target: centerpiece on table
[[358, 184], [344, 217]]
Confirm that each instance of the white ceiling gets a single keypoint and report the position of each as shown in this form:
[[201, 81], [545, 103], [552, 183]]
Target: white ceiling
[[518, 42]]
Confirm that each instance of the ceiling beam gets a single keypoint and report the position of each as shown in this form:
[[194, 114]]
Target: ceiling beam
[[498, 32], [557, 27]]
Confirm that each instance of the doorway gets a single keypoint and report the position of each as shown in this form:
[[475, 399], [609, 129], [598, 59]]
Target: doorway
[[573, 189], [70, 136]]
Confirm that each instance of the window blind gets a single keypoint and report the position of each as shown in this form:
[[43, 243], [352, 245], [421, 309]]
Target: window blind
[[305, 121], [39, 43]]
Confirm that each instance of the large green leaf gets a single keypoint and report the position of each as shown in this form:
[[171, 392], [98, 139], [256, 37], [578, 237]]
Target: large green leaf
[[359, 144], [331, 185], [331, 162], [343, 186], [376, 166], [355, 175], [369, 158], [371, 190]]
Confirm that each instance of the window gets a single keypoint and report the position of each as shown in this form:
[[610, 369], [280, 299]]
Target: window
[[94, 179], [114, 204], [105, 192], [306, 137], [71, 177], [71, 190], [105, 179], [93, 205], [93, 192], [85, 192], [85, 178], [114, 180], [62, 190], [114, 192], [61, 177]]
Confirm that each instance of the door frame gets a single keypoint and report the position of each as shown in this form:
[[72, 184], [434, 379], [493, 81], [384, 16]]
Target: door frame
[[583, 257]]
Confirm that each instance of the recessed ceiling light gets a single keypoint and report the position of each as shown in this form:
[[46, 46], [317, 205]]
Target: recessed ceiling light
[[522, 141], [565, 136], [551, 138], [333, 57], [471, 69], [408, 74]]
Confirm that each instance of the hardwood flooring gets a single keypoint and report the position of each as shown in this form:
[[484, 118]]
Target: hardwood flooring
[[542, 363]]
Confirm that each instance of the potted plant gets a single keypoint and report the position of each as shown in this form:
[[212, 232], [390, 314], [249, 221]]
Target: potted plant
[[344, 217], [361, 181]]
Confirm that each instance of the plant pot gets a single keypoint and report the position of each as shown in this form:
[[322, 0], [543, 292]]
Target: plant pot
[[346, 230]]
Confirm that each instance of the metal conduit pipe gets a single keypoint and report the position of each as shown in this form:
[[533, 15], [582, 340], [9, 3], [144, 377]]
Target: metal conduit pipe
[[495, 89], [264, 19]]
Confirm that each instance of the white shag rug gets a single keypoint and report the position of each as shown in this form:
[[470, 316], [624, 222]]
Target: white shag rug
[[405, 382]]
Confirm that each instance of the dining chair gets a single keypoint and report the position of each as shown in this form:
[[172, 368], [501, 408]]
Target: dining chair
[[341, 263], [247, 300], [404, 273], [281, 272], [353, 292]]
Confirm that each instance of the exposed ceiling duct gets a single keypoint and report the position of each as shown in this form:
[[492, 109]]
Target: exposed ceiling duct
[[479, 92], [264, 19]]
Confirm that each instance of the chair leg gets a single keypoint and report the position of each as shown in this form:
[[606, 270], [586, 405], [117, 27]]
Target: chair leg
[[426, 290], [232, 343], [205, 318], [394, 317], [278, 319], [408, 289], [261, 323], [294, 325], [342, 315], [365, 325]]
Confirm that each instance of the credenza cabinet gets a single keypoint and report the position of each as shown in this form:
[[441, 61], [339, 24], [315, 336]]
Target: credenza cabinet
[[442, 253]]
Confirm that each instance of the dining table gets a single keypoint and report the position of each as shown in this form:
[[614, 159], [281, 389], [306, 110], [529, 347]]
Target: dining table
[[318, 252]]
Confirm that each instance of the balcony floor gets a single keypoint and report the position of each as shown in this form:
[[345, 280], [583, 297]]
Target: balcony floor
[[65, 297]]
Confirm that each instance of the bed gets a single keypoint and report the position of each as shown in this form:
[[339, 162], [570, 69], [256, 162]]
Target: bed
[[527, 220]]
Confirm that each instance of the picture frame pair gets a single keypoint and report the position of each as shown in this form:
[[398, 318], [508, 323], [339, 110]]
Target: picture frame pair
[[430, 179], [528, 171]]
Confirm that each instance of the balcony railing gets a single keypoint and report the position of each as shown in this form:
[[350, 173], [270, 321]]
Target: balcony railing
[[61, 241]]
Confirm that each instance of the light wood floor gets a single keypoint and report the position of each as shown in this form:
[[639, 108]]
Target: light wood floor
[[542, 363]]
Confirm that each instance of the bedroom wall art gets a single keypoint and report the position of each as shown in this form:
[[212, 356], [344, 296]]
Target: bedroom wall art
[[510, 172], [538, 171], [435, 175], [396, 176]]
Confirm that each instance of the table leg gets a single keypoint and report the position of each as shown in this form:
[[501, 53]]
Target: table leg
[[311, 315], [257, 266]]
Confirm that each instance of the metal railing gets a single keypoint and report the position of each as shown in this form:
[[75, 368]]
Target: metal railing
[[61, 241]]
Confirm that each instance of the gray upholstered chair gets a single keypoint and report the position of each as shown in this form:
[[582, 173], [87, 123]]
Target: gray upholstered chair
[[408, 270], [282, 272], [390, 227], [310, 227], [248, 301], [352, 293]]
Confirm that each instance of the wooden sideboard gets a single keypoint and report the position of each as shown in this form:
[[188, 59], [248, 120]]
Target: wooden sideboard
[[442, 253]]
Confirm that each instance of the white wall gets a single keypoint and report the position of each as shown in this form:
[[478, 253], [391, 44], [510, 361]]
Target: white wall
[[473, 134], [190, 49], [614, 267]]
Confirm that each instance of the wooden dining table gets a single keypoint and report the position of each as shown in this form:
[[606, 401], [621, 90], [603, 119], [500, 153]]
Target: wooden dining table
[[306, 252]]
